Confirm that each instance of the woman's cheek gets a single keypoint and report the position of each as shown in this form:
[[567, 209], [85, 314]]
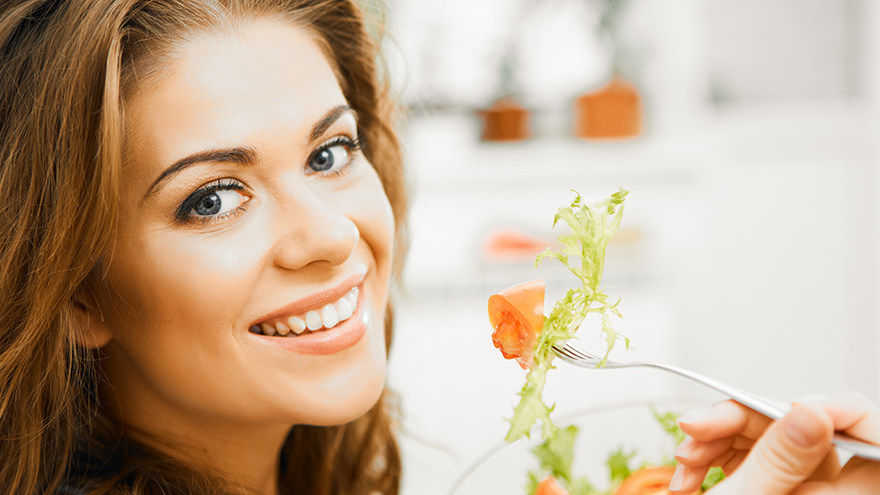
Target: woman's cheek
[[178, 277], [371, 212]]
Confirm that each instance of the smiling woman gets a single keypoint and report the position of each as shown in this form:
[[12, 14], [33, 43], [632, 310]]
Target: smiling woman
[[203, 215]]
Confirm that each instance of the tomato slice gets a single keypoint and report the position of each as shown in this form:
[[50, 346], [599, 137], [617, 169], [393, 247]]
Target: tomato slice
[[549, 486], [517, 315], [649, 481]]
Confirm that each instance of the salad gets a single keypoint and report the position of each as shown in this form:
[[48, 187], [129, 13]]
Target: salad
[[554, 476], [517, 314], [523, 333]]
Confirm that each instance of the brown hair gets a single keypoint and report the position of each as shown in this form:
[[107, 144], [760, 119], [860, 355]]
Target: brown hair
[[66, 68]]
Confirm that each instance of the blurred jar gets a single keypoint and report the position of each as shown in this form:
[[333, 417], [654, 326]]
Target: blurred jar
[[505, 121]]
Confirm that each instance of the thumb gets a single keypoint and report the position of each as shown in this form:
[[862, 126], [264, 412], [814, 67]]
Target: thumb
[[787, 454]]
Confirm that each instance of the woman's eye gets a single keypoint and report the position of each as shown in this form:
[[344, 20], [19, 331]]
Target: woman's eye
[[334, 156], [214, 201], [218, 202], [325, 159]]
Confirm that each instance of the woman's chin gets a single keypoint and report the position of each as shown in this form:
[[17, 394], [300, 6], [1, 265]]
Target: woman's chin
[[339, 403], [336, 420]]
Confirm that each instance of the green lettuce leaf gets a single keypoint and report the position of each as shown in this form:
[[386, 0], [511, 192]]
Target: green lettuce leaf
[[618, 465], [669, 422], [713, 477], [582, 251], [556, 456]]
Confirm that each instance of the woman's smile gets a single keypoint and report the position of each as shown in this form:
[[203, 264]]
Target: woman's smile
[[323, 322]]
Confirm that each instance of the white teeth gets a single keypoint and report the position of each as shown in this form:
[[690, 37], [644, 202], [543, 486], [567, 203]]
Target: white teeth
[[313, 321], [344, 309], [329, 316], [296, 324], [268, 329], [282, 329]]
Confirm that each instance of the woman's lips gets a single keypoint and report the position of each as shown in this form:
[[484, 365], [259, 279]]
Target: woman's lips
[[293, 316], [326, 340], [327, 316]]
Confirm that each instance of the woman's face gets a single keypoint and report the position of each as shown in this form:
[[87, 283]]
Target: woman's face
[[246, 209]]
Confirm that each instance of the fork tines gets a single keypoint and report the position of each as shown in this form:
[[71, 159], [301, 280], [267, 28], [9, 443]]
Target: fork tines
[[572, 351]]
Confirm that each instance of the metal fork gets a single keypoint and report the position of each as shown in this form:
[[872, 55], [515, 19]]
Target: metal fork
[[576, 356]]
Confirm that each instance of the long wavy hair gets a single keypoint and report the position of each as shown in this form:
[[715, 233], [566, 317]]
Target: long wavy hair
[[67, 68]]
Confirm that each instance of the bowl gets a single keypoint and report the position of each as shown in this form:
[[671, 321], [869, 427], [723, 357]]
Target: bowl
[[603, 430]]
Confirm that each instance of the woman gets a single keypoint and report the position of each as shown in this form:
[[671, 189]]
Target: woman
[[203, 213], [791, 456]]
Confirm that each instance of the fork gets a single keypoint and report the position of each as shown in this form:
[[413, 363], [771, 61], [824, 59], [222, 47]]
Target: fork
[[576, 356]]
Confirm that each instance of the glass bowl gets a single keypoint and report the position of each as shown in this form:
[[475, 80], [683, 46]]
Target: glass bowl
[[603, 430]]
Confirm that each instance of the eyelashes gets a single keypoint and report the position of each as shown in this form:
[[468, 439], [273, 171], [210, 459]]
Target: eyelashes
[[339, 150], [208, 203]]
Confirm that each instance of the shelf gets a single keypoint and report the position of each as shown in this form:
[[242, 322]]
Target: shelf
[[444, 153]]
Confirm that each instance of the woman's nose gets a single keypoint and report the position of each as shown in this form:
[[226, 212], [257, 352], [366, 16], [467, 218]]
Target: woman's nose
[[313, 233]]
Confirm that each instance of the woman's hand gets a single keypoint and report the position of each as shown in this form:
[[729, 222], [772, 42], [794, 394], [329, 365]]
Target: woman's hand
[[791, 456]]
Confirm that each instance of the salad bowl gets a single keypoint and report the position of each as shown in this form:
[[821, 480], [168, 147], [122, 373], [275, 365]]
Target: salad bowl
[[607, 432]]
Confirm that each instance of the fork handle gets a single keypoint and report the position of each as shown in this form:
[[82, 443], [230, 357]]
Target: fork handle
[[767, 408], [754, 402]]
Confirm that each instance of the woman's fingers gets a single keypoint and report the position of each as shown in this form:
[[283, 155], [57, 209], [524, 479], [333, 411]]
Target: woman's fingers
[[725, 419], [788, 453], [828, 469], [720, 436], [764, 457], [690, 474], [694, 453], [858, 477], [732, 462], [729, 453], [687, 479], [854, 415]]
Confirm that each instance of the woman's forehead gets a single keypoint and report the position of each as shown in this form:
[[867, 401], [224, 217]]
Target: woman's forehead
[[224, 87]]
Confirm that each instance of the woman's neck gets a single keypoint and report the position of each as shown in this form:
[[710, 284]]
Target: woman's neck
[[246, 454]]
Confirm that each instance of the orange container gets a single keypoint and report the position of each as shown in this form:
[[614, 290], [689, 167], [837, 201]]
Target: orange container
[[613, 111], [505, 120]]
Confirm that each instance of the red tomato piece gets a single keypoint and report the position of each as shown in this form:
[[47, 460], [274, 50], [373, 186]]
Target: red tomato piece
[[649, 481], [549, 486], [517, 315]]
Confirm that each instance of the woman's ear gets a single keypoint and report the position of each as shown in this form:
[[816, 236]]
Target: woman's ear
[[91, 330]]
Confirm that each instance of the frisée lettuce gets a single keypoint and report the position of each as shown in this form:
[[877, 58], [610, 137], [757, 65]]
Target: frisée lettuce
[[556, 459], [582, 251]]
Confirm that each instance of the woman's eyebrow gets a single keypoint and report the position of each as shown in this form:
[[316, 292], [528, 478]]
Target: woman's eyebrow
[[240, 155], [327, 120]]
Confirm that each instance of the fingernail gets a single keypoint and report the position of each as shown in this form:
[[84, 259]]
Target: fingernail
[[694, 416], [804, 428], [677, 478], [684, 450]]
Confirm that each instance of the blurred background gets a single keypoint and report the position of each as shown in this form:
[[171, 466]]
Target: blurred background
[[749, 248]]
